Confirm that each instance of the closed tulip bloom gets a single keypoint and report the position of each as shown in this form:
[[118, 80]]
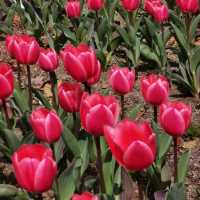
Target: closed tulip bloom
[[46, 124], [69, 96], [132, 144], [6, 81], [10, 45], [155, 89], [34, 167], [160, 13], [84, 196], [121, 79], [188, 6], [73, 8], [149, 5], [130, 5], [81, 63], [95, 4], [175, 117], [26, 49], [48, 60], [96, 111]]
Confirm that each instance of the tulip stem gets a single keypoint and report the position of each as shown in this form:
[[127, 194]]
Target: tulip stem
[[74, 123], [53, 80], [155, 111], [140, 191], [19, 75], [175, 158], [99, 164], [88, 88], [29, 87], [6, 112], [122, 107]]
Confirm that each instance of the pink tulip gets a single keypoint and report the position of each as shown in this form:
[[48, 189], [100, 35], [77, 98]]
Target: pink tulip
[[34, 167], [155, 89], [175, 117], [6, 81], [81, 63], [130, 5], [96, 111], [46, 125], [84, 196], [10, 45], [73, 8], [95, 4], [48, 60], [121, 79], [26, 49], [132, 144], [69, 96], [188, 6]]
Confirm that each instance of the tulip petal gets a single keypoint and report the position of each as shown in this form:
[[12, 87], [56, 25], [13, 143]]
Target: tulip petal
[[5, 87], [138, 156]]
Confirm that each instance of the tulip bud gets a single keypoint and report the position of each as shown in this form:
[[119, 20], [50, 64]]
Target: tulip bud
[[84, 196], [34, 167], [69, 96], [155, 89], [175, 117], [26, 49], [6, 81], [132, 144], [121, 79], [48, 60], [81, 63], [96, 111], [130, 5], [73, 8], [95, 4], [188, 6], [46, 125]]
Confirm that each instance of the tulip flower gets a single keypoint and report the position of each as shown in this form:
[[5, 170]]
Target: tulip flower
[[81, 63], [26, 49], [48, 60], [46, 124], [6, 81], [188, 6], [95, 4], [155, 89], [73, 8], [121, 79], [34, 167], [96, 111], [69, 96], [84, 196], [132, 144], [130, 5], [175, 117], [10, 45]]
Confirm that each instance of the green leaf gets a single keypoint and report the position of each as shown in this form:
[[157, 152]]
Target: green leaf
[[177, 192], [124, 35], [183, 166], [195, 60], [7, 191], [193, 26], [134, 111]]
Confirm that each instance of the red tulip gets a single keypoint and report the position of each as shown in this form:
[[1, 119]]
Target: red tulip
[[132, 144], [26, 49], [121, 79], [175, 117], [48, 60], [95, 4], [188, 6], [69, 96], [149, 5], [130, 5], [81, 63], [96, 111], [34, 167], [10, 44], [73, 8], [155, 89], [46, 124], [6, 81], [85, 196]]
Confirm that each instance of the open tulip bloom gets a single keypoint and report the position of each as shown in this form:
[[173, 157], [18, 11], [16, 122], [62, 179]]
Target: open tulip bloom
[[34, 167], [132, 144]]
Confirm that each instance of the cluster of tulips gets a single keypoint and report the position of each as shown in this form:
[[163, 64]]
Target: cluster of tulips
[[132, 143]]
